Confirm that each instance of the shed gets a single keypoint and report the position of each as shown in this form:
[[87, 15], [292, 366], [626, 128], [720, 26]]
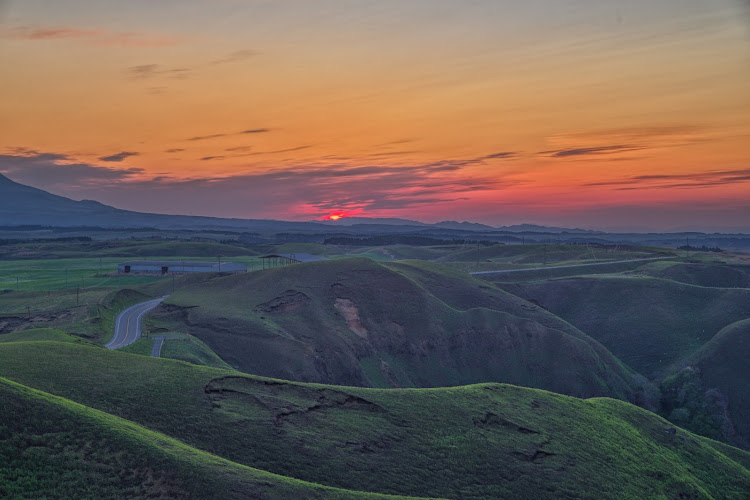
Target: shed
[[178, 266]]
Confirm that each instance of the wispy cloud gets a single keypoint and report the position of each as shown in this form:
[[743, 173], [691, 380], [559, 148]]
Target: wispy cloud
[[591, 151], [216, 136], [118, 157], [58, 171], [618, 142], [143, 71], [98, 37], [308, 191], [235, 57], [681, 181]]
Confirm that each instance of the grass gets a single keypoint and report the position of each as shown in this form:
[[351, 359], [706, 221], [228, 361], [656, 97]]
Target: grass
[[191, 349], [481, 441], [51, 447], [648, 323], [709, 392], [37, 335], [420, 325]]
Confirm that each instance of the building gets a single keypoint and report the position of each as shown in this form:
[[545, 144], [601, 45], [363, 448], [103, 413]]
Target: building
[[283, 259], [178, 266]]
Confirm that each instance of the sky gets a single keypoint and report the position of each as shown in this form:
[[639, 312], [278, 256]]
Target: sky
[[603, 114]]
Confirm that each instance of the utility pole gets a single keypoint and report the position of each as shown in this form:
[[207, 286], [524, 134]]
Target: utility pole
[[100, 265], [16, 283], [78, 290], [28, 309], [66, 277], [545, 254]]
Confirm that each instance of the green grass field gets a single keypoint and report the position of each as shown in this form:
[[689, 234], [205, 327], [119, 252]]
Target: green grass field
[[51, 447], [483, 441]]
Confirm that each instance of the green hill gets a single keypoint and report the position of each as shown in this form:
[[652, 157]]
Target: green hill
[[38, 334], [364, 323], [51, 447], [648, 323], [711, 394], [482, 441], [712, 274]]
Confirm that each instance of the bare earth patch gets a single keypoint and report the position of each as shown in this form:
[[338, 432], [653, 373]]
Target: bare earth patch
[[349, 311]]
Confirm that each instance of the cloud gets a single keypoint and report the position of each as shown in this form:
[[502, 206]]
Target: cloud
[[143, 71], [615, 142], [693, 180], [174, 150], [97, 37], [216, 136], [305, 191], [56, 171], [118, 157], [504, 155], [238, 56], [597, 150]]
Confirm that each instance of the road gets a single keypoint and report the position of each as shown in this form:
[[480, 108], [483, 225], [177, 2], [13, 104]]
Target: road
[[156, 348], [128, 324], [547, 268]]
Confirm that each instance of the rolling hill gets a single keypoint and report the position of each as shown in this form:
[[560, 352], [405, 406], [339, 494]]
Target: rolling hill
[[648, 323], [51, 447], [363, 323], [709, 392], [481, 441]]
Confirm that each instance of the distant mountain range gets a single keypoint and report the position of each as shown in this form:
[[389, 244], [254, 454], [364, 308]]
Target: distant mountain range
[[22, 205], [26, 205]]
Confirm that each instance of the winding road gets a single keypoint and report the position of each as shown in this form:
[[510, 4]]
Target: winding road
[[547, 268], [128, 324]]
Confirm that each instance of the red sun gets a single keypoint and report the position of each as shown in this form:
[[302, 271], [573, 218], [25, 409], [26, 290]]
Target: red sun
[[337, 215]]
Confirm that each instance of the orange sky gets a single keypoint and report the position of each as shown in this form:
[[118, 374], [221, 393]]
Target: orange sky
[[590, 113]]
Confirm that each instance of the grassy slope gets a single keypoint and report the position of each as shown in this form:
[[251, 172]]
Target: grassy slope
[[51, 447], [717, 375], [193, 350], [38, 334], [648, 323], [418, 326], [483, 441], [710, 274], [537, 254]]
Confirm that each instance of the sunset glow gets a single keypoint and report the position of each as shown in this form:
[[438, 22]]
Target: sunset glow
[[583, 113]]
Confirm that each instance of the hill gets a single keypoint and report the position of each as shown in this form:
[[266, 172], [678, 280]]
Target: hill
[[648, 323], [482, 441], [708, 274], [51, 447], [363, 323], [710, 393]]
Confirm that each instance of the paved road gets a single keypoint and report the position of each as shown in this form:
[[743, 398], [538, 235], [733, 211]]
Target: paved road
[[128, 324], [479, 273], [159, 343], [156, 348]]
